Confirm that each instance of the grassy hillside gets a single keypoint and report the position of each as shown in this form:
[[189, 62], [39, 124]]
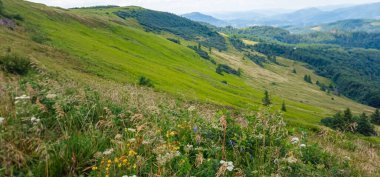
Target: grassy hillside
[[92, 59], [113, 48]]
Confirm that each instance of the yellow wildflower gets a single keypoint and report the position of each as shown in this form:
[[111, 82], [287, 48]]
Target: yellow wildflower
[[94, 168], [132, 153], [119, 165], [125, 161], [109, 161], [116, 160]]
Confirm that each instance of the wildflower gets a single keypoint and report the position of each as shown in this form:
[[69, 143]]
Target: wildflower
[[195, 129], [188, 148], [295, 140], [291, 159], [108, 151], [34, 120], [132, 153], [302, 145], [94, 168], [131, 140], [118, 136], [116, 160], [191, 108], [22, 97], [346, 158], [170, 133], [230, 165], [51, 96], [2, 120], [131, 130]]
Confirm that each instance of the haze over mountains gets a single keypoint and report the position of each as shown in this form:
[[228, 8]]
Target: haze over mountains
[[299, 18]]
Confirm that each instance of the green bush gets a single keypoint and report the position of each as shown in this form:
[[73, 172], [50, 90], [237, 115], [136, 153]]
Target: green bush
[[15, 64], [143, 81]]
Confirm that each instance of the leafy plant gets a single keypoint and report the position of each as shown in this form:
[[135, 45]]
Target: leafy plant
[[15, 64], [143, 81]]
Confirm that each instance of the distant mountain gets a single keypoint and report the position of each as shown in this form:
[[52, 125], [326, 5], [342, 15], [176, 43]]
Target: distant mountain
[[199, 17], [352, 25], [303, 17], [315, 16]]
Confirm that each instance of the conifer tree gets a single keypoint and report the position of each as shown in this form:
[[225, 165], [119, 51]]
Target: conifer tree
[[266, 100], [375, 117], [283, 107], [294, 71]]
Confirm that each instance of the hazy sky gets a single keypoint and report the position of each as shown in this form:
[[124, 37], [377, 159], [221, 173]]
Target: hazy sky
[[183, 6]]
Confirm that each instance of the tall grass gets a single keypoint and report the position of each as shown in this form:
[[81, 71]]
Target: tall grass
[[60, 129]]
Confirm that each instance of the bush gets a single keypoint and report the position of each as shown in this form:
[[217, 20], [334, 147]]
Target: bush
[[15, 64], [346, 122], [174, 40], [143, 81], [227, 69]]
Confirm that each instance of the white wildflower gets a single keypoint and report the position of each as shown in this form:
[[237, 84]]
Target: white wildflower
[[291, 159], [2, 120], [295, 140], [34, 120], [108, 151], [51, 96], [132, 140], [22, 97], [302, 145], [188, 148], [118, 136], [346, 158], [230, 165], [191, 108], [131, 129]]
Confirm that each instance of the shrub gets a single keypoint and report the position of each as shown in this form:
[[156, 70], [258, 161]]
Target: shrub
[[227, 69], [174, 40], [15, 64], [346, 122], [143, 81], [375, 117]]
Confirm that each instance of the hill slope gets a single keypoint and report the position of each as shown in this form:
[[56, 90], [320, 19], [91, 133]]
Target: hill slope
[[199, 17], [83, 113]]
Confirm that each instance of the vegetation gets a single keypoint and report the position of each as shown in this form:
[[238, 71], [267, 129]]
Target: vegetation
[[346, 122], [15, 64], [174, 40], [222, 68], [375, 118], [200, 52], [187, 29], [354, 71], [143, 81], [81, 112], [259, 60], [266, 100], [283, 107], [307, 78]]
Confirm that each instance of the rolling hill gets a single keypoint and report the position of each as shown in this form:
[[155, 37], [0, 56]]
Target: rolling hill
[[152, 93], [199, 17]]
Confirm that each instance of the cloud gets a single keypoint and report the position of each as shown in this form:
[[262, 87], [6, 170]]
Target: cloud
[[182, 6]]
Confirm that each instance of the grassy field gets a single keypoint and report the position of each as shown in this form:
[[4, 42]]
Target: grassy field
[[97, 58]]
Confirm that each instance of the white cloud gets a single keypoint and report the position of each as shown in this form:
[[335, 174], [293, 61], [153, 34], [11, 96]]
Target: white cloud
[[182, 6]]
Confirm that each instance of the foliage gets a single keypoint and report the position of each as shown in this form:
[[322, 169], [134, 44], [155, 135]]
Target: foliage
[[143, 81], [259, 60], [375, 117], [222, 68], [307, 78], [355, 72], [347, 122], [283, 107], [185, 28], [200, 52], [1, 8], [14, 63], [174, 40], [266, 100], [237, 43]]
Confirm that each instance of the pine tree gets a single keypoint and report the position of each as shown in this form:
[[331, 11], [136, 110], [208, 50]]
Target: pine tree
[[294, 71], [364, 126], [375, 117], [199, 46], [266, 100], [283, 107]]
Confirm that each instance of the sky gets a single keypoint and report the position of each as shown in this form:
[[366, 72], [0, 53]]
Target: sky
[[185, 6]]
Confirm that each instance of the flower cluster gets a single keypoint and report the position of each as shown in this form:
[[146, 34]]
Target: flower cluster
[[230, 165]]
